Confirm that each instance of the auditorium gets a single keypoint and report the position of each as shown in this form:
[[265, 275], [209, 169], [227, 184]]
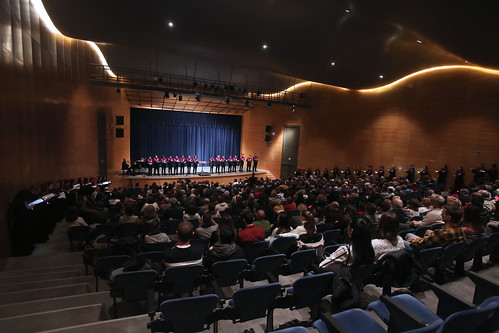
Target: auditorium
[[249, 166]]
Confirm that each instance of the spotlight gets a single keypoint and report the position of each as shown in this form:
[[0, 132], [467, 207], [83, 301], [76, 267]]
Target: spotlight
[[247, 103], [227, 99], [293, 108], [269, 104], [180, 98], [167, 95]]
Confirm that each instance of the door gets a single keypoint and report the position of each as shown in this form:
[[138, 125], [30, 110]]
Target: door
[[290, 144]]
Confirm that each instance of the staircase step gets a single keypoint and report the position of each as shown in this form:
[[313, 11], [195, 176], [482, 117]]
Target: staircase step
[[9, 287], [44, 293], [40, 321], [38, 277], [123, 325], [52, 269], [42, 261], [17, 309]]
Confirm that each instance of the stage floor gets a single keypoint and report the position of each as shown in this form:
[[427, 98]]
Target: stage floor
[[228, 177]]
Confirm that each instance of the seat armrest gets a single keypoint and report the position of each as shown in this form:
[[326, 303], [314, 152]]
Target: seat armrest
[[401, 319], [448, 303]]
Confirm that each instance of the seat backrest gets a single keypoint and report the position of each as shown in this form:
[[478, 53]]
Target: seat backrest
[[493, 242], [170, 226], [331, 236], [182, 279], [285, 245], [135, 285], [268, 264], [189, 314], [253, 302], [468, 320], [154, 256], [360, 273], [255, 249], [227, 273], [104, 265], [449, 254], [129, 229], [309, 290], [400, 268], [478, 244], [427, 256], [422, 230], [79, 233], [331, 248], [301, 259]]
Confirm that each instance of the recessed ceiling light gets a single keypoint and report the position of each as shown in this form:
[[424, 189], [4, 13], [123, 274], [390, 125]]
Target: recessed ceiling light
[[466, 61], [381, 76], [419, 41], [333, 63], [346, 10], [265, 46], [170, 24]]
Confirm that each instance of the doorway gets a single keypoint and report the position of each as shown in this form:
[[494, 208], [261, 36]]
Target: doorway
[[290, 145]]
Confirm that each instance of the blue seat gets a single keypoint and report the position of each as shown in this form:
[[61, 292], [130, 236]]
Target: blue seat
[[134, 286], [472, 250], [252, 303], [190, 314], [493, 247], [80, 234], [90, 256], [156, 246], [170, 226], [228, 273], [153, 256], [254, 250], [353, 320], [307, 291], [449, 254], [331, 237], [104, 266], [403, 233], [179, 280], [427, 257], [331, 248], [295, 329], [285, 245], [361, 274], [128, 229], [266, 267], [299, 261]]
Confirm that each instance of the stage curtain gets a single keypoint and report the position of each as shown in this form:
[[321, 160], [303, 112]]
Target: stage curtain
[[175, 133]]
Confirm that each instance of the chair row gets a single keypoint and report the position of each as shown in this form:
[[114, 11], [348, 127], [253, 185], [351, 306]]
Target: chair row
[[404, 313]]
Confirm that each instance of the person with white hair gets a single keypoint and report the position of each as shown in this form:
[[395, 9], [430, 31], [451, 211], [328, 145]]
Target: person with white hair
[[434, 216]]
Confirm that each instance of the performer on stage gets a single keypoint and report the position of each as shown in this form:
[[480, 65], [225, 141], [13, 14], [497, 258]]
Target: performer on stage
[[212, 164], [176, 164], [189, 164], [358, 172], [217, 164], [182, 165], [442, 175], [255, 162], [425, 172], [325, 173], [170, 165], [222, 164], [347, 173], [241, 163], [163, 165], [381, 172], [195, 163], [155, 164], [369, 171], [410, 173], [229, 163], [336, 172], [392, 172], [459, 179], [480, 174], [248, 163], [149, 166], [124, 167]]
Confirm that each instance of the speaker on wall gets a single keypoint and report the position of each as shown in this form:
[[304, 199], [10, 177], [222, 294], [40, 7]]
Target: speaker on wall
[[268, 128], [268, 138], [120, 132], [120, 120]]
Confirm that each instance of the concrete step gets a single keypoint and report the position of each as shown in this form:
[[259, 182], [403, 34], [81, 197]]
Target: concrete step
[[43, 261], [133, 324], [38, 277], [43, 305], [52, 269], [44, 293], [41, 321], [9, 287]]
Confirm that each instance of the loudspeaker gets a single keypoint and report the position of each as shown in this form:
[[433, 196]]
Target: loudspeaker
[[268, 128], [120, 132], [204, 173], [120, 120], [268, 138]]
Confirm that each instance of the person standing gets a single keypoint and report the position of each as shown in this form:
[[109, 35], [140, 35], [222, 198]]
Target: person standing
[[195, 163], [149, 166], [381, 172], [176, 163], [255, 162], [442, 175], [410, 173], [217, 164], [182, 165], [124, 166], [163, 165], [170, 165], [188, 161], [458, 179], [212, 164], [156, 163], [241, 162], [222, 164], [248, 163], [392, 172]]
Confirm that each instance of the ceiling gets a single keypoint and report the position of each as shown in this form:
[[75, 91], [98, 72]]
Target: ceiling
[[371, 43]]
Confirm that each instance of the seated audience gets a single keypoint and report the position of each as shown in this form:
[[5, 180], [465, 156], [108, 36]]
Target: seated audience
[[311, 239], [224, 248], [261, 221], [183, 253], [71, 218], [250, 233], [434, 216], [387, 239], [206, 227], [129, 215]]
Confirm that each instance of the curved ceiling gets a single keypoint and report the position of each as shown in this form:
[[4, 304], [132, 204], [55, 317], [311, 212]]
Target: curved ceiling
[[371, 43]]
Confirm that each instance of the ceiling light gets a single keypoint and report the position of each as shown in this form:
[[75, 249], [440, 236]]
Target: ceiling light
[[269, 104], [170, 24], [419, 41], [180, 98], [332, 64], [265, 46], [381, 76], [293, 108], [346, 10]]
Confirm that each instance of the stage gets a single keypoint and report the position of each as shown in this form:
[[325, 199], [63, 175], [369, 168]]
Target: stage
[[129, 181]]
